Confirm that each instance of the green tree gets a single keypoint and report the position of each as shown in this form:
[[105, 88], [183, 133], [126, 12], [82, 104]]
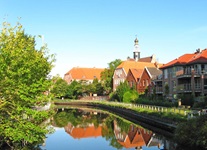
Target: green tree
[[97, 87], [59, 88], [121, 90], [71, 92], [77, 89], [24, 80], [167, 90], [107, 75], [192, 133], [130, 96]]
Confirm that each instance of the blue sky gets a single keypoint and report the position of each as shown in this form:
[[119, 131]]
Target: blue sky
[[92, 33]]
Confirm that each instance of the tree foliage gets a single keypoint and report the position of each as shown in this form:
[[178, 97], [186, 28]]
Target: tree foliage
[[107, 75], [122, 89], [59, 88], [130, 96], [193, 133], [167, 89], [80, 88], [23, 80]]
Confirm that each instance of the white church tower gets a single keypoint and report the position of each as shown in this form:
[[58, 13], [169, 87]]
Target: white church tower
[[136, 50]]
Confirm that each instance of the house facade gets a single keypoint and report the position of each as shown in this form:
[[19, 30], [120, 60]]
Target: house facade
[[141, 79], [186, 75], [121, 72], [86, 74]]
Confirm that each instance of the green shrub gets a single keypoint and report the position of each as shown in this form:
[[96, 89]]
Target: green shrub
[[130, 96], [193, 133]]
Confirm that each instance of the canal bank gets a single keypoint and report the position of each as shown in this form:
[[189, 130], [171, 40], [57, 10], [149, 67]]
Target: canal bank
[[151, 122]]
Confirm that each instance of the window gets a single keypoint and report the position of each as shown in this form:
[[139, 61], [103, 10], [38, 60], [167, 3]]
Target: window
[[147, 82], [132, 83], [165, 73]]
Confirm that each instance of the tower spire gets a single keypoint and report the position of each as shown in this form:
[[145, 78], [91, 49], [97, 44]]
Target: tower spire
[[136, 50]]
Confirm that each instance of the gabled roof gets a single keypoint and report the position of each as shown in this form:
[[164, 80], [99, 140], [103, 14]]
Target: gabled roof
[[136, 73], [154, 72], [85, 73], [197, 57], [135, 142], [136, 137], [126, 65]]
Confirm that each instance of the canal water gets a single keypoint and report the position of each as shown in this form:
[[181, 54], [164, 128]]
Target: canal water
[[89, 129]]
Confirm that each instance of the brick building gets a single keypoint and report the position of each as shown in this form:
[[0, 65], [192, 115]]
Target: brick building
[[185, 75], [87, 74]]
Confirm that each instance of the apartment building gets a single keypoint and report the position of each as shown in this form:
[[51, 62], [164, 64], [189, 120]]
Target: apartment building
[[186, 75]]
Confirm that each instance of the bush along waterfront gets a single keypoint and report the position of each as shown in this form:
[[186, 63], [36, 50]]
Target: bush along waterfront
[[193, 133], [24, 82]]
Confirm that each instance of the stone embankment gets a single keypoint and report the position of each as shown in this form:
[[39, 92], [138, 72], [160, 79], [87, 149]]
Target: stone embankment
[[131, 115]]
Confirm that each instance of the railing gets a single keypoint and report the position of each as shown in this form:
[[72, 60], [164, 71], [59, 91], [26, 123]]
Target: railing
[[180, 72], [188, 72], [182, 111], [159, 89], [188, 87], [184, 87], [197, 86], [159, 108]]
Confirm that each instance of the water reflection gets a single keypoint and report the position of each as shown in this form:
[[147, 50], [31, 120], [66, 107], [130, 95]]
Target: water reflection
[[119, 133]]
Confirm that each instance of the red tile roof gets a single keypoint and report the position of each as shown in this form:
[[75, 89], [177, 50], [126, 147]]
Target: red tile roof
[[137, 141], [136, 73], [197, 57], [126, 65], [145, 59], [137, 137], [85, 132], [85, 73]]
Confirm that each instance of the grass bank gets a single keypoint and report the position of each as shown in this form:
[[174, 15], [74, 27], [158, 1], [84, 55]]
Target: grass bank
[[169, 114]]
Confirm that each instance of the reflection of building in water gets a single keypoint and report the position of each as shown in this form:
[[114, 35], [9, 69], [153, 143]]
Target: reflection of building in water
[[136, 137], [83, 132]]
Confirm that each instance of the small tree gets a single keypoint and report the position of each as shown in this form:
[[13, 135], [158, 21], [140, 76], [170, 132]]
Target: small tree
[[72, 90], [121, 89], [130, 96], [167, 90], [98, 88], [107, 75]]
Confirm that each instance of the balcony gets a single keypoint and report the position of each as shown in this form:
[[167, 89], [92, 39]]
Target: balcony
[[198, 87], [159, 90], [183, 74], [187, 88], [187, 73]]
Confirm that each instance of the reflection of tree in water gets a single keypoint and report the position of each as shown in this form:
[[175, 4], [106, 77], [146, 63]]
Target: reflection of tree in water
[[108, 132], [77, 117]]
